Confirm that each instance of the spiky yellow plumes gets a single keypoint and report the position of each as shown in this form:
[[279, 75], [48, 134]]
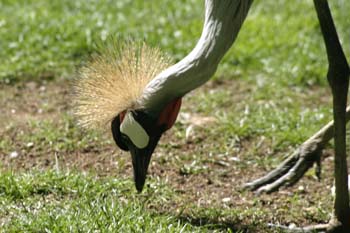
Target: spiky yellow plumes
[[114, 80]]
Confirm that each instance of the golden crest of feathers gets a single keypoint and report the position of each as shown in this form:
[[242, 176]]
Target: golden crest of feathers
[[114, 80]]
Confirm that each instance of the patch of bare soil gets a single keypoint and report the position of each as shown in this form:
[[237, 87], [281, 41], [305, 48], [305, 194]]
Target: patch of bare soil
[[214, 181], [21, 105]]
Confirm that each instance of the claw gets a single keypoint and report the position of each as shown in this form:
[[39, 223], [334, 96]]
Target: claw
[[290, 171]]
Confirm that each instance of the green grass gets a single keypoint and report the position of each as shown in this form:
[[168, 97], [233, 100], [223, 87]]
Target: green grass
[[46, 39], [268, 95], [72, 202]]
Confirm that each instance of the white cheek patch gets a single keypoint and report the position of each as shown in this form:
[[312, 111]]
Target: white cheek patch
[[134, 131]]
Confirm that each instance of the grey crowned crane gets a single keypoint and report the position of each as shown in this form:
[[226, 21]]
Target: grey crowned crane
[[134, 89]]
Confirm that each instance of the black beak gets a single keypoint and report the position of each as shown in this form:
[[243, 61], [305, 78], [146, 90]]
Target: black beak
[[140, 157], [140, 161]]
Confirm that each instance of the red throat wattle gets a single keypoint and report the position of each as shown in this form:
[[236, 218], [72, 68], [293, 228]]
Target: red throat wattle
[[168, 116]]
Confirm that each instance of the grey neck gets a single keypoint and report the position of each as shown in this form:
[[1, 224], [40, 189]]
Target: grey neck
[[223, 20]]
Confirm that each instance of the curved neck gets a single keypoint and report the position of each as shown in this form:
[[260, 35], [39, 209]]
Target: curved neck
[[223, 20]]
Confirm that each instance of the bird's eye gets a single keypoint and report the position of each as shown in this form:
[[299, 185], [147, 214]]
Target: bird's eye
[[117, 135]]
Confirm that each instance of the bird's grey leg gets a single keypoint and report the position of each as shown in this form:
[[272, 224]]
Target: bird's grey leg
[[295, 165], [338, 78]]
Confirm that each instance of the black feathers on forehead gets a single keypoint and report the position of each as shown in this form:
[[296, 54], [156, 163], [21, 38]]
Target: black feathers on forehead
[[148, 123]]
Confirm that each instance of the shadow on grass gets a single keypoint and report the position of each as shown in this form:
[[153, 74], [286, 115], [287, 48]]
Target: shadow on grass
[[217, 224]]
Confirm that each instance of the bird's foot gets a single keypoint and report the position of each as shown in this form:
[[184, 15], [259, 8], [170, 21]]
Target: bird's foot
[[294, 166], [291, 169]]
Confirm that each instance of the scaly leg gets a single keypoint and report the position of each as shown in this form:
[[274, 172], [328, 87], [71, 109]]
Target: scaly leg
[[292, 169], [338, 78]]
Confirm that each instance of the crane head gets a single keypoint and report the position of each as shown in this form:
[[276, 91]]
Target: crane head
[[109, 92], [138, 132]]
